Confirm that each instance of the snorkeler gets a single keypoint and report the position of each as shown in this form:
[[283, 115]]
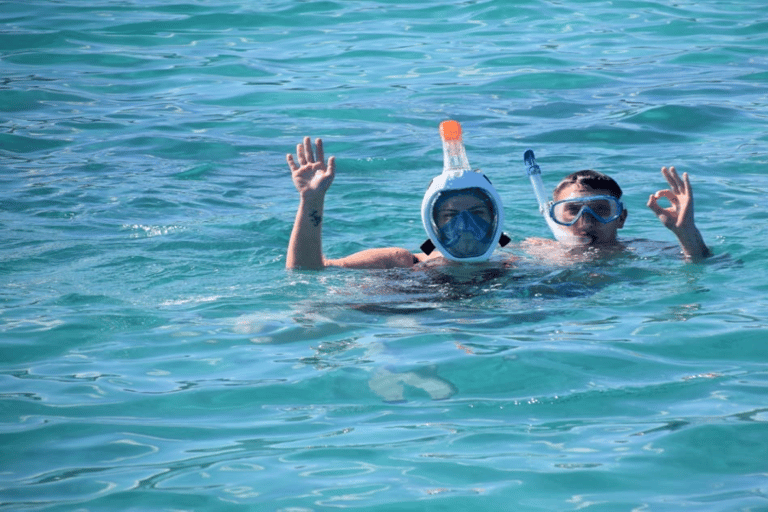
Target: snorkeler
[[461, 212], [587, 210]]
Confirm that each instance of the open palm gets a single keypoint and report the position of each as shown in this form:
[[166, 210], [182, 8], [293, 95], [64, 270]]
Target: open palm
[[311, 175]]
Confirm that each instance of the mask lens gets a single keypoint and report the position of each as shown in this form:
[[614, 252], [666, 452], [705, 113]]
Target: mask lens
[[466, 235], [604, 209], [464, 222]]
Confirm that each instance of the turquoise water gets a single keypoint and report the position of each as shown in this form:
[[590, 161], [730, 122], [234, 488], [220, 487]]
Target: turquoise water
[[156, 355]]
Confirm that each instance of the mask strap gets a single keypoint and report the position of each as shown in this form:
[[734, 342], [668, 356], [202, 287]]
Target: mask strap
[[427, 247]]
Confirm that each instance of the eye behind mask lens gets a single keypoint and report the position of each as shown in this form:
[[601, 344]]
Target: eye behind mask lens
[[603, 208]]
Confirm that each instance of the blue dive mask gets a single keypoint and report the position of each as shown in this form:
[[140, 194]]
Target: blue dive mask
[[466, 235], [604, 209]]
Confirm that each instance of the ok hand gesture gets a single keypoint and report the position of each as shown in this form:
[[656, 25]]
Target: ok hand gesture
[[678, 217]]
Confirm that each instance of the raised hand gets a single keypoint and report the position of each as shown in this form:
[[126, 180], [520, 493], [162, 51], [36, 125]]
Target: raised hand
[[311, 176], [679, 215]]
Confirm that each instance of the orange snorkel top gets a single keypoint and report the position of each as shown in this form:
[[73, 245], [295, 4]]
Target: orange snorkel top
[[450, 130]]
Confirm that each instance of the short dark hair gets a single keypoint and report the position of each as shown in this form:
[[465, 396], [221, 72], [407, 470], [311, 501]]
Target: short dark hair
[[592, 179]]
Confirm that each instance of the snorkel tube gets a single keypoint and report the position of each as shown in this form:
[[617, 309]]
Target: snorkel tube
[[534, 173], [458, 178]]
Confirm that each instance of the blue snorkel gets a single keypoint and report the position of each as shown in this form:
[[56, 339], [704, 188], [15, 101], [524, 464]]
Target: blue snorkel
[[534, 173]]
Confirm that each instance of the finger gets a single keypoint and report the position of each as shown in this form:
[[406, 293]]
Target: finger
[[668, 194], [308, 149], [300, 154], [655, 207], [329, 172], [665, 173], [678, 181], [671, 178], [319, 146], [291, 162], [687, 184]]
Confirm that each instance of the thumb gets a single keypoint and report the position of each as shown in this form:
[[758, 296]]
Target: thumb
[[330, 170]]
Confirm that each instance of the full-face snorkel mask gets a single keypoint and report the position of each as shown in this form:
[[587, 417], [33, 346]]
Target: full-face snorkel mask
[[461, 212]]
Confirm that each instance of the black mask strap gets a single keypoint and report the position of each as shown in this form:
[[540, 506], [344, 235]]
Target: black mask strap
[[427, 247]]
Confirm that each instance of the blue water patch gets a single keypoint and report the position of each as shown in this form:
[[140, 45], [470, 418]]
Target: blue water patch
[[155, 354]]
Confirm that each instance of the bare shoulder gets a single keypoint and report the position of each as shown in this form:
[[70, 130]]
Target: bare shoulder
[[540, 243], [541, 249]]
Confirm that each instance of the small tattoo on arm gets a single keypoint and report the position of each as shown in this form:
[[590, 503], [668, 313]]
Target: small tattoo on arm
[[316, 218]]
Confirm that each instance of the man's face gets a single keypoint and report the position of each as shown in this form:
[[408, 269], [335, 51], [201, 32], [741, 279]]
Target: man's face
[[587, 228]]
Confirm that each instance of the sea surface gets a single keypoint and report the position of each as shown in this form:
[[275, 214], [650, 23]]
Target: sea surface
[[156, 355]]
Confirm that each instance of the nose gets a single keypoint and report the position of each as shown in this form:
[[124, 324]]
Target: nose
[[586, 218]]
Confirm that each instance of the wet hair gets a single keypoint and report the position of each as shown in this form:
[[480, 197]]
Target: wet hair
[[592, 179]]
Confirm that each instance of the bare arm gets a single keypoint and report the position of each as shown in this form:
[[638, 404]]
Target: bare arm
[[312, 178], [678, 217], [383, 257]]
